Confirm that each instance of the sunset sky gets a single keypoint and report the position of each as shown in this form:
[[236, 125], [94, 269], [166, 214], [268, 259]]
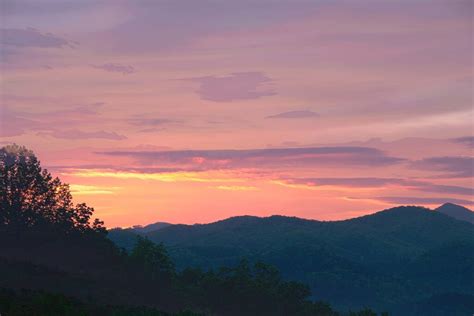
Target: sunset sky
[[195, 111]]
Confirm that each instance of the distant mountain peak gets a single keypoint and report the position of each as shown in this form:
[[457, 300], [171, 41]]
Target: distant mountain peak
[[456, 211], [449, 204], [150, 227]]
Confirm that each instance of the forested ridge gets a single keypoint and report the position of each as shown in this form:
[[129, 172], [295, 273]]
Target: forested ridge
[[395, 260]]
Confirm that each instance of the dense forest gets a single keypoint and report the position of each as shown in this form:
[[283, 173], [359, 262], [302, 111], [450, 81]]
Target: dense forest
[[395, 260], [56, 259]]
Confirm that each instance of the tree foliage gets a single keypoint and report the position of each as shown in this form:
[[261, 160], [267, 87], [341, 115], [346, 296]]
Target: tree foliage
[[250, 289], [152, 258], [30, 197]]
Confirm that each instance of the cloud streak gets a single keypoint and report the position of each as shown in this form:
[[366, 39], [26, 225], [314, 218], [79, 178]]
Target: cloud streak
[[301, 114], [80, 189], [54, 124], [466, 140], [30, 37], [270, 157], [150, 121], [13, 123], [236, 188], [78, 134], [180, 176], [420, 200], [377, 183], [115, 67], [234, 87], [450, 166]]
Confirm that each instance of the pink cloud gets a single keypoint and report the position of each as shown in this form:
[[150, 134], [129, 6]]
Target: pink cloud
[[234, 87], [78, 134], [31, 37], [115, 67]]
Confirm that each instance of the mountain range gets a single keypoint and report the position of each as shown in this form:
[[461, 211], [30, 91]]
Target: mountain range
[[398, 260]]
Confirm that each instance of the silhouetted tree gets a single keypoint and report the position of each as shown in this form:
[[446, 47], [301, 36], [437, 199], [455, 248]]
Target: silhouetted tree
[[153, 259], [31, 197], [365, 312]]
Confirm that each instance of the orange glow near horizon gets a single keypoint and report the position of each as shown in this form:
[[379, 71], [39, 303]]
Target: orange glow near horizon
[[207, 196], [163, 177], [318, 109]]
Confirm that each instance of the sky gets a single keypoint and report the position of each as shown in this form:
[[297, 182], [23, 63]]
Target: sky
[[195, 111]]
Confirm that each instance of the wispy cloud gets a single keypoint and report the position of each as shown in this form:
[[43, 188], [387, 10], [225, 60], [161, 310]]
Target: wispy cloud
[[449, 166], [466, 140], [115, 67], [300, 114], [377, 183], [270, 157], [63, 123], [13, 123], [153, 122], [31, 37], [236, 188], [78, 134], [234, 87], [420, 200], [80, 189], [113, 168], [180, 176], [21, 46]]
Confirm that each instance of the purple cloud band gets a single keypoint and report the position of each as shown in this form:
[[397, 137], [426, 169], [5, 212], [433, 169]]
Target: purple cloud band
[[466, 140], [299, 114], [236, 86], [30, 37], [279, 157], [421, 200], [381, 182], [77, 134], [450, 166], [114, 67]]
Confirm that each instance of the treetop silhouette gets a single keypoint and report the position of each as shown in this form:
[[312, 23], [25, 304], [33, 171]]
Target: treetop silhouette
[[30, 197]]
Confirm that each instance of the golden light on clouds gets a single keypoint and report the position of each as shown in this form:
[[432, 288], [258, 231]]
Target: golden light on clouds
[[80, 189], [162, 177], [236, 188]]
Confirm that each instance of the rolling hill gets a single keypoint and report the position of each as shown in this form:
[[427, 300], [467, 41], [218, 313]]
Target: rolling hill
[[394, 258]]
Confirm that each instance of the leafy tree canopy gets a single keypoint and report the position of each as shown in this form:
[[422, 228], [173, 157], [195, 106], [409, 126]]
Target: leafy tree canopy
[[30, 197]]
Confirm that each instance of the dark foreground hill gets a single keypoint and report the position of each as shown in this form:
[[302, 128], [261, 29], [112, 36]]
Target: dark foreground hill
[[395, 260]]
